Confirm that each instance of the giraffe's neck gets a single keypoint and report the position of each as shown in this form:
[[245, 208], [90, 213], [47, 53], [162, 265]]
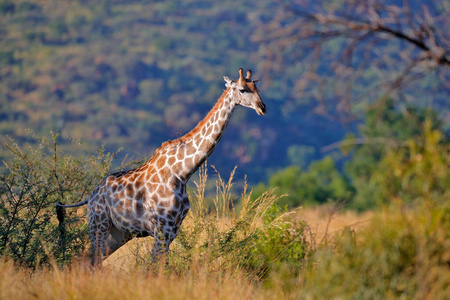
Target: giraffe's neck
[[195, 147]]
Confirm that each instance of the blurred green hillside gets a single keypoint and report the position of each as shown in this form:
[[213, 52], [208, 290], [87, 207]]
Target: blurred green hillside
[[133, 74]]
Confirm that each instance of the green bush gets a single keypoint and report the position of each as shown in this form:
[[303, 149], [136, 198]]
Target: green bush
[[279, 246], [401, 254], [400, 155], [31, 184]]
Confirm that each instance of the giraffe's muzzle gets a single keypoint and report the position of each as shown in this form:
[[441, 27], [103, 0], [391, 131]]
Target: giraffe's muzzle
[[261, 108]]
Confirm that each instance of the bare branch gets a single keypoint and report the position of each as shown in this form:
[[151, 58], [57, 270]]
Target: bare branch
[[349, 48], [378, 25], [364, 141]]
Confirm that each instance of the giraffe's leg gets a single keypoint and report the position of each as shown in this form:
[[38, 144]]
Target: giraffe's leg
[[98, 238], [99, 228], [161, 247]]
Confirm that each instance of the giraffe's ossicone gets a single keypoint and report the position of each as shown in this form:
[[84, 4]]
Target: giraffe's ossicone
[[152, 199]]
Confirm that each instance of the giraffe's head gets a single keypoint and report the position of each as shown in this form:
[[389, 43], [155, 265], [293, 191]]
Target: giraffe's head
[[245, 92]]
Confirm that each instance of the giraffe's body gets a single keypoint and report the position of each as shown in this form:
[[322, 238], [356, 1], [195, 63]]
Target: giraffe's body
[[152, 199]]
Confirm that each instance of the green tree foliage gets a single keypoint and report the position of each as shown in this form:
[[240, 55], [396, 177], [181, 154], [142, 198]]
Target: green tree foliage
[[400, 155], [30, 186], [320, 183], [390, 139], [417, 172]]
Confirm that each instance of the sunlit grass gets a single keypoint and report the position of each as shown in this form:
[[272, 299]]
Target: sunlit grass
[[395, 253], [129, 275], [259, 251], [78, 282]]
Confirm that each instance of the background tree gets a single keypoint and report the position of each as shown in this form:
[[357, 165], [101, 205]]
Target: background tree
[[386, 135], [344, 54], [319, 184], [386, 61]]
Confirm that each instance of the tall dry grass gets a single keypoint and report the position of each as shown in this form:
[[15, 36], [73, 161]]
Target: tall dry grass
[[326, 221], [401, 253], [262, 252], [78, 282], [122, 277]]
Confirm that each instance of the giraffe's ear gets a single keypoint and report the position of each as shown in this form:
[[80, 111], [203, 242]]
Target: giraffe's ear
[[229, 82]]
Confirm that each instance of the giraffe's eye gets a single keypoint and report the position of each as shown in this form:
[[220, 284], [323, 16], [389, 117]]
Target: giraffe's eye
[[242, 90]]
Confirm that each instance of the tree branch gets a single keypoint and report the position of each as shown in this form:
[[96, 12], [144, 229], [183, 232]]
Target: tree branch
[[364, 141], [438, 53]]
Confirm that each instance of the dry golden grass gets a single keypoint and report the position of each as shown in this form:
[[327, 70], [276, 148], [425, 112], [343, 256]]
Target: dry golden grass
[[391, 258], [120, 279], [325, 221], [83, 283]]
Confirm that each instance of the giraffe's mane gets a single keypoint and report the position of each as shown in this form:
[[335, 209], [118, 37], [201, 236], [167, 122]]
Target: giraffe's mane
[[182, 139], [200, 124]]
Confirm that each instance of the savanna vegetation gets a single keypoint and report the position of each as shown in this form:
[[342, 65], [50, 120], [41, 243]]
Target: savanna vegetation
[[357, 131], [226, 250]]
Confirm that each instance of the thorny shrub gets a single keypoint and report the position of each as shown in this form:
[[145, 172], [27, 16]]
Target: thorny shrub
[[31, 184]]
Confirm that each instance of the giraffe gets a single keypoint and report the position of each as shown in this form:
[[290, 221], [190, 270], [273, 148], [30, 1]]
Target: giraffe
[[151, 200]]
